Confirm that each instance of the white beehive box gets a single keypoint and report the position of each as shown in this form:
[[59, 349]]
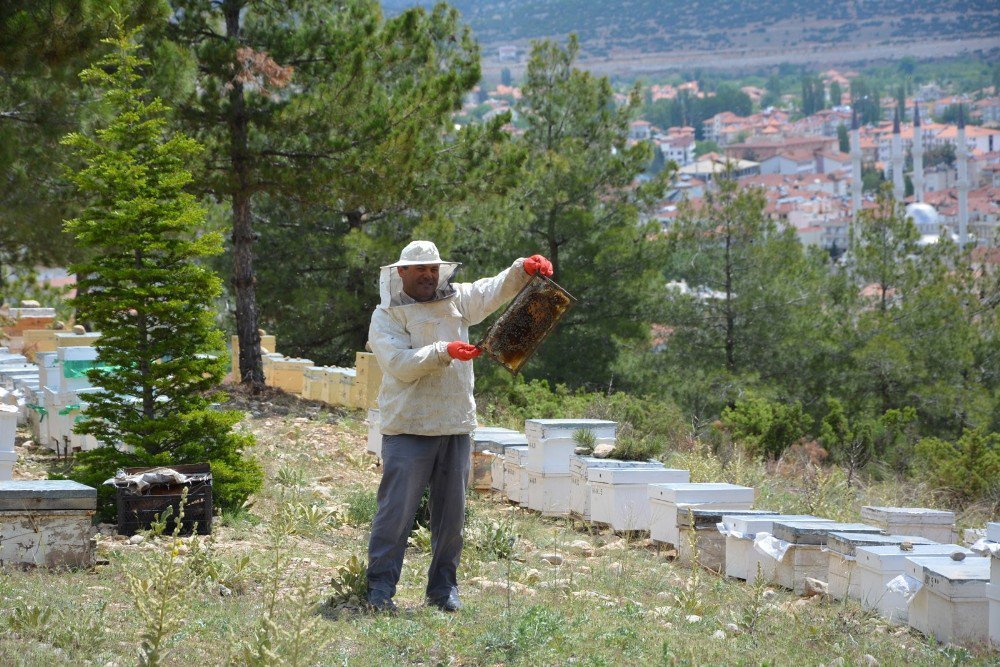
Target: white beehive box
[[699, 535], [497, 443], [551, 443], [17, 400], [62, 408], [49, 369], [73, 362], [496, 472], [951, 604], [579, 484], [374, 433], [993, 603], [993, 535], [548, 493], [937, 525], [539, 430], [46, 523], [515, 478], [666, 501], [619, 496], [7, 461], [8, 427], [876, 566], [740, 531], [805, 556], [842, 547]]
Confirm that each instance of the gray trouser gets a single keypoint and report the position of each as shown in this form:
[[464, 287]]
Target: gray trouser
[[409, 464]]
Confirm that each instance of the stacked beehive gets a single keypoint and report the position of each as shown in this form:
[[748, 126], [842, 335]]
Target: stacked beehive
[[551, 443]]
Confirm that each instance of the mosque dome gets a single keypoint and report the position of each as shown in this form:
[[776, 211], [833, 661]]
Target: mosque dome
[[923, 215]]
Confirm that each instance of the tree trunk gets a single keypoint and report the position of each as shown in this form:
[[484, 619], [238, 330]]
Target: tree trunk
[[244, 282]]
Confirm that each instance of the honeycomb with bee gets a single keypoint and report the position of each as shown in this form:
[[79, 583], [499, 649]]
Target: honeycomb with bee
[[532, 314]]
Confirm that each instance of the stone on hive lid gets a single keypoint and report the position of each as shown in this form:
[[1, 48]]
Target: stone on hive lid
[[20, 495], [846, 544], [993, 531]]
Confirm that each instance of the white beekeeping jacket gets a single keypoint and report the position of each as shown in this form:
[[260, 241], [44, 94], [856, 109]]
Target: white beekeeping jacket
[[424, 391]]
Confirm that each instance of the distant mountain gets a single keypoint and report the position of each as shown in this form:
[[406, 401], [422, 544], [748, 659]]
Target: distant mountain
[[614, 29]]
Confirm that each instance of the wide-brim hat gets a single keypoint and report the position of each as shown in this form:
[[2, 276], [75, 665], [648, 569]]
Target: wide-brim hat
[[421, 252]]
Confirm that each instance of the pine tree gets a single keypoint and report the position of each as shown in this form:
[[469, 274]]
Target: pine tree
[[577, 203], [752, 305], [147, 293], [43, 46], [316, 104]]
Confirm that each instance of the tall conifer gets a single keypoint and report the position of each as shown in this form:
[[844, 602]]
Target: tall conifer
[[146, 291]]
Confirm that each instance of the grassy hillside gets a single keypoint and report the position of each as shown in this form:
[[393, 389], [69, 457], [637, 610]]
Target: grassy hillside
[[643, 27], [257, 591]]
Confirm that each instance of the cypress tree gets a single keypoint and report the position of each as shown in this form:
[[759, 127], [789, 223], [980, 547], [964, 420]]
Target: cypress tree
[[144, 287]]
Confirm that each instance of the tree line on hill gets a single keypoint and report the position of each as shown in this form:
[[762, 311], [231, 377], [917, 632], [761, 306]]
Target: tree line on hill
[[328, 143]]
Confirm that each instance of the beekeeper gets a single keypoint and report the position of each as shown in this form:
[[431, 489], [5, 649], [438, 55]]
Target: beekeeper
[[419, 333]]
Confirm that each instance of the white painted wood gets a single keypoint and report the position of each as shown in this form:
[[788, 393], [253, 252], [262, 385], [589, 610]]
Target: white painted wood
[[7, 461], [553, 455], [512, 480], [579, 493], [951, 606], [8, 427], [876, 566], [668, 500], [741, 558], [544, 429], [993, 600], [548, 493], [623, 494], [937, 525]]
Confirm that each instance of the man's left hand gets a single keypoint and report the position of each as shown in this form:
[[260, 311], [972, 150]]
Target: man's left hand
[[538, 264]]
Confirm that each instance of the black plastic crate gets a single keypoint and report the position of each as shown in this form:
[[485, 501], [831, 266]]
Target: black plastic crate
[[137, 511]]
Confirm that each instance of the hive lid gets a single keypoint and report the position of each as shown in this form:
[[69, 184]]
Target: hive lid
[[711, 516], [911, 515], [958, 578], [816, 532], [889, 558], [846, 544], [635, 475], [751, 525], [580, 464], [20, 495], [705, 492]]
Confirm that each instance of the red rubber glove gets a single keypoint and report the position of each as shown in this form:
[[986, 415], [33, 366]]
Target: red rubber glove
[[463, 351], [538, 264]]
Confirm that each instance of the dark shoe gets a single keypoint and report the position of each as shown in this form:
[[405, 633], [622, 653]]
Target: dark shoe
[[381, 602], [449, 602]]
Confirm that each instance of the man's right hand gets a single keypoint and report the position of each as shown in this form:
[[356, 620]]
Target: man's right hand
[[463, 351]]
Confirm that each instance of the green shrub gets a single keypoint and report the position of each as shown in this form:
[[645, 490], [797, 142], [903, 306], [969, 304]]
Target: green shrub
[[144, 283], [361, 507], [766, 427], [968, 469], [633, 447]]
